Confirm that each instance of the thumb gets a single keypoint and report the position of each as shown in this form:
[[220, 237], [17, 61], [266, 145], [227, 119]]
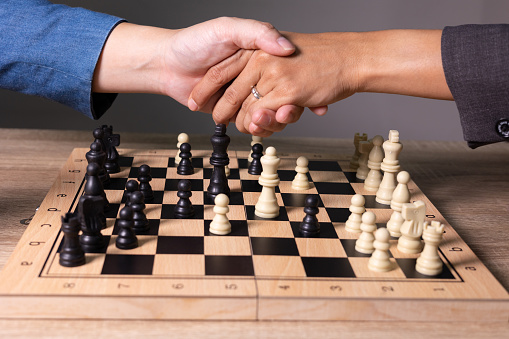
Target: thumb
[[252, 34]]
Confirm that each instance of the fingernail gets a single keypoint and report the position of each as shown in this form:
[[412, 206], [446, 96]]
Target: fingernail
[[287, 45], [263, 120], [192, 105]]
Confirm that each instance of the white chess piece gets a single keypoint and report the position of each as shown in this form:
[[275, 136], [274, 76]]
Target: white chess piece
[[400, 196], [376, 156], [354, 162], [364, 149], [429, 262], [353, 224], [267, 206], [301, 181], [390, 165], [411, 230], [380, 259], [227, 170], [182, 138], [254, 140], [220, 225], [368, 226]]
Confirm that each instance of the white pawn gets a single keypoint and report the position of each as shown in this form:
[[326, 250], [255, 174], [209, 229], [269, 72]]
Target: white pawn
[[220, 225], [368, 226], [364, 149], [390, 165], [429, 262], [267, 206], [254, 140], [376, 156], [411, 230], [301, 182], [380, 259], [400, 196], [182, 138], [353, 224]]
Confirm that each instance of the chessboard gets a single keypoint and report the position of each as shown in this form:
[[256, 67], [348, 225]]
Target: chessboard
[[264, 269]]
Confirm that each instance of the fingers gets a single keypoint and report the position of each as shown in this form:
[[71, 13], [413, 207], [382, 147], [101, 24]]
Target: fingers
[[216, 77], [235, 96], [289, 114], [252, 34], [320, 110]]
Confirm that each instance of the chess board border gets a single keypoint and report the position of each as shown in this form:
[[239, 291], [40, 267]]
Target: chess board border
[[23, 285]]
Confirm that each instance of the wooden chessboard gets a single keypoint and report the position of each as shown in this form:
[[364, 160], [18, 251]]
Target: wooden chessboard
[[264, 269]]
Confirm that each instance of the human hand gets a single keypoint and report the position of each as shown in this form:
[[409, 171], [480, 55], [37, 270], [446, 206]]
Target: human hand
[[144, 59], [319, 73], [194, 52]]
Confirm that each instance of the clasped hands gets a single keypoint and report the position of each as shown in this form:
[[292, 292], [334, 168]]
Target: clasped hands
[[315, 75]]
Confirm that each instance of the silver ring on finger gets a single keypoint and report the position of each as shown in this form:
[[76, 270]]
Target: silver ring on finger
[[255, 92]]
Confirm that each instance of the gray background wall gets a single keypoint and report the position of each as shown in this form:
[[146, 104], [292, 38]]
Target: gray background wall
[[415, 118]]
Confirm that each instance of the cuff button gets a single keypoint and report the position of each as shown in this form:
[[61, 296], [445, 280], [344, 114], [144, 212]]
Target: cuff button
[[503, 128]]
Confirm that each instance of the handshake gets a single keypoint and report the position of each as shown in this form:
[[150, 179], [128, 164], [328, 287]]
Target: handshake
[[247, 72]]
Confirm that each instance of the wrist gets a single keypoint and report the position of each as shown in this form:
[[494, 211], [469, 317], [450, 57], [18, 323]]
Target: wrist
[[132, 60], [406, 62]]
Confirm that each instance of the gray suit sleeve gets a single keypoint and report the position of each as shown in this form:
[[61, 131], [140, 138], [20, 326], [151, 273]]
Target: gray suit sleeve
[[476, 65]]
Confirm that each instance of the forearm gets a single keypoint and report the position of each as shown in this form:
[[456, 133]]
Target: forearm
[[132, 60], [406, 62]]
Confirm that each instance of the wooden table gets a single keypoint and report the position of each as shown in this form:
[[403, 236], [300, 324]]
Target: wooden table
[[469, 187]]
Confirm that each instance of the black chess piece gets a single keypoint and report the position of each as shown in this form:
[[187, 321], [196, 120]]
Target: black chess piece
[[98, 156], [91, 214], [71, 253], [126, 238], [184, 208], [103, 174], [140, 222], [255, 168], [219, 159], [185, 166], [144, 178], [110, 141], [310, 227], [130, 187], [94, 188]]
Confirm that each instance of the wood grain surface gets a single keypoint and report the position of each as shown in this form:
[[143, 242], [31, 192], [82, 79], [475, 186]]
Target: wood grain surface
[[469, 187]]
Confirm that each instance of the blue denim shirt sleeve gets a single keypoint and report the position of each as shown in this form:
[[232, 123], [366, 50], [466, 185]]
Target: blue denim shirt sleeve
[[52, 50]]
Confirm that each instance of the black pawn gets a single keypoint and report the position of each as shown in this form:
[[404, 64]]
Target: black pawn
[[126, 238], [184, 208], [219, 159], [144, 178], [71, 253], [130, 187], [185, 166], [94, 188], [310, 227], [255, 168], [103, 174], [140, 222]]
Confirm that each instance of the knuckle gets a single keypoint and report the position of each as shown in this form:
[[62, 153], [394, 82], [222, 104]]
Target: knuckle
[[216, 75], [267, 26], [231, 97]]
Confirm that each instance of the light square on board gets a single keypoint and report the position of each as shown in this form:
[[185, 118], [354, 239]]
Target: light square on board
[[153, 211], [328, 176], [278, 266], [151, 160], [314, 247], [361, 269], [146, 245], [244, 175], [286, 187], [93, 265], [272, 229], [181, 227], [179, 264], [297, 214], [171, 173], [336, 200], [114, 196], [171, 198], [110, 224], [343, 233], [221, 245]]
